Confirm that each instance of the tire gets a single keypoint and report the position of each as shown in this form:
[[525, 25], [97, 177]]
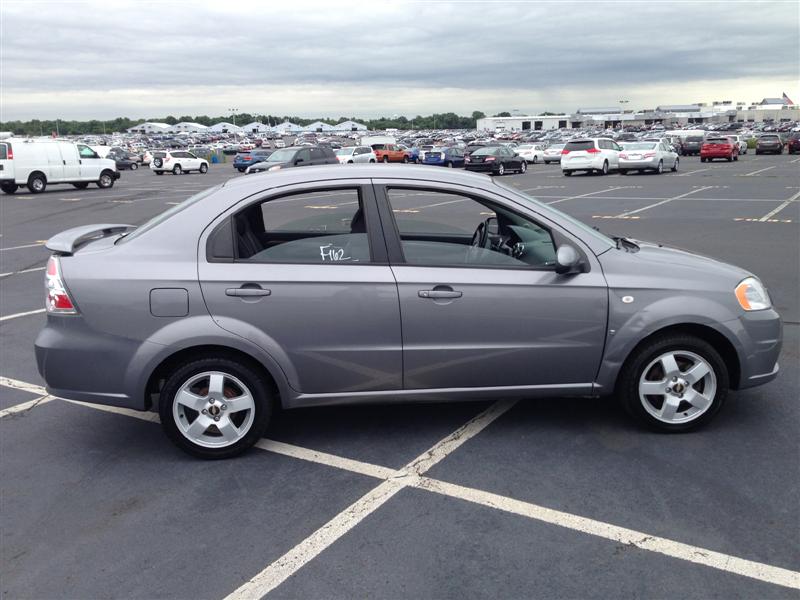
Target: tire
[[449, 164], [106, 180], [134, 166], [386, 159], [372, 160], [203, 168], [158, 162], [604, 170], [80, 186], [501, 170], [159, 172], [660, 167], [177, 170], [735, 157], [523, 167], [535, 159], [702, 160], [675, 166], [37, 183], [730, 158], [623, 171], [9, 187], [567, 173], [644, 366], [405, 159], [240, 169], [758, 152], [237, 379]]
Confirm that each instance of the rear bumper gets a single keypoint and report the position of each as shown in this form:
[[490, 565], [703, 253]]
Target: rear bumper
[[480, 167], [582, 164], [717, 154], [649, 163]]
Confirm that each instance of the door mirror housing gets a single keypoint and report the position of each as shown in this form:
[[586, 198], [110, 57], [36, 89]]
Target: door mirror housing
[[568, 260]]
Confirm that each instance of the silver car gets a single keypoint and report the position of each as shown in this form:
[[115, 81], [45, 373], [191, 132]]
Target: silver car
[[324, 285], [647, 156], [356, 154]]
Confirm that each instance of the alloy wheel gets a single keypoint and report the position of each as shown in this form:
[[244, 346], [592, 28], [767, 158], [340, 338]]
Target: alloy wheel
[[677, 387]]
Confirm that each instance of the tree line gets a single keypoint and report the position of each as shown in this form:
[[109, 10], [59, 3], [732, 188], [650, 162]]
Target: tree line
[[36, 127]]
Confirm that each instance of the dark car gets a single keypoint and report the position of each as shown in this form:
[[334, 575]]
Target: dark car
[[793, 143], [123, 160], [445, 157], [769, 142], [245, 159], [295, 157], [498, 160], [691, 145]]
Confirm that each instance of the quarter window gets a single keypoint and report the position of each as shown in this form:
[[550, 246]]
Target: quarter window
[[324, 227], [445, 229]]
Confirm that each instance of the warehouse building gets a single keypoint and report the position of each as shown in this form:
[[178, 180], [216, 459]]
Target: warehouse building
[[149, 128]]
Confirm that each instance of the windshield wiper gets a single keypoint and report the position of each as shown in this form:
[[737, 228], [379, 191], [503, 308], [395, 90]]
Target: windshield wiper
[[627, 243]]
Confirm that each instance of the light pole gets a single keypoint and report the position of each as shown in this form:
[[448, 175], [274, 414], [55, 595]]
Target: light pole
[[233, 112], [622, 104]]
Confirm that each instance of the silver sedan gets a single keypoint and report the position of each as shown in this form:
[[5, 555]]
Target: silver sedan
[[647, 156]]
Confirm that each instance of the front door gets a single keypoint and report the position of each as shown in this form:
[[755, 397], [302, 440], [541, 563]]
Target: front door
[[481, 303], [310, 283]]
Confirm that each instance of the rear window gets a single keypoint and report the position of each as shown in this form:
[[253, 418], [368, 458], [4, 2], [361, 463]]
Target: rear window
[[378, 146], [3, 152], [694, 138], [718, 141], [572, 146], [159, 154], [770, 138]]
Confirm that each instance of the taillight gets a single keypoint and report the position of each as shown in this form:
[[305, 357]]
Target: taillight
[[489, 159], [58, 300], [246, 157], [623, 155], [649, 154], [593, 151], [166, 159], [565, 151], [9, 152]]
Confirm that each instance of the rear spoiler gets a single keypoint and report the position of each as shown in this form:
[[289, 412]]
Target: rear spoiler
[[68, 241]]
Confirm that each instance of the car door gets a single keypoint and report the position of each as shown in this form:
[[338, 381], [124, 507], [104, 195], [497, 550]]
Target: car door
[[302, 158], [304, 274], [71, 160], [318, 156], [192, 161], [488, 316], [90, 163], [55, 163]]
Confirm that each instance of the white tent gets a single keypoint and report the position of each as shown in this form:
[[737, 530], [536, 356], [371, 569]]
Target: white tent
[[318, 126], [288, 127], [224, 128], [187, 127], [256, 127], [149, 128], [349, 126]]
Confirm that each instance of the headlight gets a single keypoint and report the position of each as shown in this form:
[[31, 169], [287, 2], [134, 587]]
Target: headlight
[[275, 168], [752, 295]]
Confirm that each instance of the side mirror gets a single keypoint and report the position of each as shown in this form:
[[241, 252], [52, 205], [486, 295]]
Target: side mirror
[[567, 260]]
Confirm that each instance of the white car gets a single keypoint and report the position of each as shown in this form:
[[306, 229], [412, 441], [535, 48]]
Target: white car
[[553, 153], [356, 154], [741, 142], [532, 153], [590, 155], [647, 156], [177, 162], [36, 165]]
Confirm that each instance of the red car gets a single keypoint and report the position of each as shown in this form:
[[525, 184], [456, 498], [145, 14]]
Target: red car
[[719, 147], [389, 153]]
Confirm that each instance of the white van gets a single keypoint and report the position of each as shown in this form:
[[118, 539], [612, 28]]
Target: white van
[[36, 164]]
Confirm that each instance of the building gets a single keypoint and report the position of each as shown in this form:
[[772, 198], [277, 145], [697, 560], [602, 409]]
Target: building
[[224, 128], [524, 123], [350, 126], [188, 127], [318, 127], [149, 128], [256, 127], [287, 127]]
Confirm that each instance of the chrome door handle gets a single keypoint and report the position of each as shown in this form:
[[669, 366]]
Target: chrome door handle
[[247, 292], [435, 294]]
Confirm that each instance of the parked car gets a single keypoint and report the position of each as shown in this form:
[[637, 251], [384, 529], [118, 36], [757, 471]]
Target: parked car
[[532, 153], [296, 156], [692, 144], [356, 154], [591, 155], [793, 143], [769, 143], [147, 157], [258, 300], [741, 142], [719, 147], [123, 160], [647, 156], [552, 153], [445, 157], [389, 153], [412, 153], [177, 162], [497, 160], [244, 159], [36, 165]]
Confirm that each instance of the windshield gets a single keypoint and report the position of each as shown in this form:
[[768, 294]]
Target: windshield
[[284, 155], [584, 228], [158, 219]]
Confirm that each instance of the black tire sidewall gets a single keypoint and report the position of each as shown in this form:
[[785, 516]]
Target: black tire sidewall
[[257, 385], [628, 384]]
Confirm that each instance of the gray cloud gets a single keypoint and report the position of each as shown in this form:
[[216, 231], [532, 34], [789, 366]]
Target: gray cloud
[[223, 55]]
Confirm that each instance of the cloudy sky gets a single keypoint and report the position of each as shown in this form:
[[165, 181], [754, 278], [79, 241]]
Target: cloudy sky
[[80, 60]]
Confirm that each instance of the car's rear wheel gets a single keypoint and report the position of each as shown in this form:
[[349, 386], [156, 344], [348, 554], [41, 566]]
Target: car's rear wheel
[[80, 186], [523, 167], [37, 183], [735, 157], [623, 171], [386, 159], [405, 159], [134, 166], [215, 407], [567, 173], [674, 383], [604, 170], [675, 166], [240, 169], [449, 164], [204, 168], [159, 172], [660, 167], [9, 187], [106, 180], [372, 160], [501, 170], [177, 170]]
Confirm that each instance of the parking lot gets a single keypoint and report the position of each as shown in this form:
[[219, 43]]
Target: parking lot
[[541, 498]]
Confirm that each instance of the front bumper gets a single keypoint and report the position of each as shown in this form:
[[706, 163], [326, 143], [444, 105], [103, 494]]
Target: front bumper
[[758, 336]]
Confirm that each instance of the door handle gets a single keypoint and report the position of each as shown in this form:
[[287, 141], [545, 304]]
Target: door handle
[[437, 294], [247, 292]]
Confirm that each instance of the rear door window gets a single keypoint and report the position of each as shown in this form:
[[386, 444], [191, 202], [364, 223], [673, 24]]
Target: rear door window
[[3, 152], [573, 146]]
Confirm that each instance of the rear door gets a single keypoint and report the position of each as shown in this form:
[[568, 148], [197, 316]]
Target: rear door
[[308, 280], [72, 162], [6, 161], [481, 304]]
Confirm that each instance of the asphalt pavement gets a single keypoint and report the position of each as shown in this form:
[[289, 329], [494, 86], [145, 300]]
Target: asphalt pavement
[[548, 498]]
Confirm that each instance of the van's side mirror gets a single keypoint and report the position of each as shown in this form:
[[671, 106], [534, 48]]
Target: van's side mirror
[[568, 260]]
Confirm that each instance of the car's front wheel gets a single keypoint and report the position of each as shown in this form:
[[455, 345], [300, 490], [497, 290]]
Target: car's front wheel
[[106, 180], [203, 168], [134, 166], [523, 167], [215, 407], [674, 383]]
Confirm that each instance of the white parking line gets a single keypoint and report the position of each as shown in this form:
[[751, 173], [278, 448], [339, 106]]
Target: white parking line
[[413, 475], [22, 314], [786, 203], [288, 564], [638, 210], [23, 386], [687, 173], [757, 172], [794, 161], [23, 406], [611, 189], [21, 247], [9, 274]]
